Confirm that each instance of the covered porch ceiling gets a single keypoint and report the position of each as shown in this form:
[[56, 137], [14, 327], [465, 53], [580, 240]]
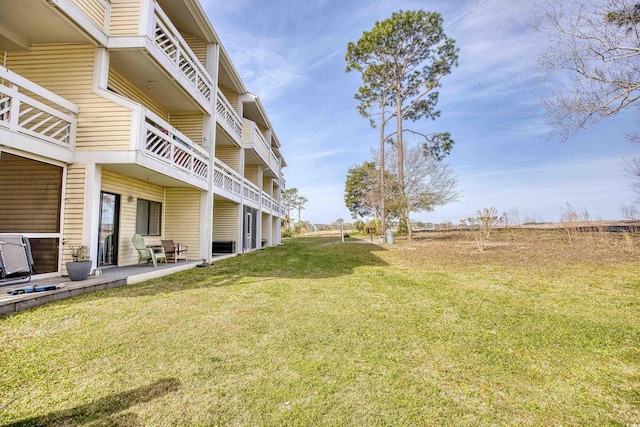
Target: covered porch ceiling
[[25, 23], [143, 174], [148, 76]]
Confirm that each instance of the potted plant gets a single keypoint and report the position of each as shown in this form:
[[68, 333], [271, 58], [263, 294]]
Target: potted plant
[[80, 266]]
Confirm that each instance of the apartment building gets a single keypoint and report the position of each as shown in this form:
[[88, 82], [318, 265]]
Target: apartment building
[[120, 117]]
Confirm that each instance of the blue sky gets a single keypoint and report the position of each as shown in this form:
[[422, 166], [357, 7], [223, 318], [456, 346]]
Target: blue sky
[[291, 53]]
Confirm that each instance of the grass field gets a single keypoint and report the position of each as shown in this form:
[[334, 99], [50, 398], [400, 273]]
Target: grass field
[[536, 330]]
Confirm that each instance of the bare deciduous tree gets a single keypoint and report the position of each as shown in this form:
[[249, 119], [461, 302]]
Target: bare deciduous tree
[[598, 43], [602, 56], [428, 182], [630, 212]]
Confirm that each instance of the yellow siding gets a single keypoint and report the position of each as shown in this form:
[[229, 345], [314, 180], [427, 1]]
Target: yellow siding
[[247, 133], [199, 47], [230, 156], [125, 17], [251, 173], [182, 218], [74, 207], [225, 220], [125, 88], [231, 96], [95, 10], [67, 70], [267, 185], [191, 124], [126, 186]]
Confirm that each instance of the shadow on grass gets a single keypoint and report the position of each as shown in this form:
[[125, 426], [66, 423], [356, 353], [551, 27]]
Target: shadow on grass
[[297, 258], [104, 410]]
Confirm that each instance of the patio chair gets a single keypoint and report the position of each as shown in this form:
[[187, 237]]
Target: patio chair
[[174, 250], [16, 260], [146, 253]]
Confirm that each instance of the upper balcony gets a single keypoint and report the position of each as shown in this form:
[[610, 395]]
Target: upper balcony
[[154, 56], [228, 118], [26, 23], [37, 120], [226, 181], [167, 144], [134, 141], [255, 142], [251, 194]]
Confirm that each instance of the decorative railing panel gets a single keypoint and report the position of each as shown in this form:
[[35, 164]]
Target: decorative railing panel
[[251, 191], [167, 143], [275, 163], [257, 135], [54, 121], [267, 201], [226, 178], [230, 119], [169, 40]]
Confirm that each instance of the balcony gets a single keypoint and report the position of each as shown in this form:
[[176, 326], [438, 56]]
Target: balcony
[[168, 39], [155, 57], [267, 202], [251, 194], [165, 143], [253, 140], [274, 164], [47, 120], [226, 116], [227, 182]]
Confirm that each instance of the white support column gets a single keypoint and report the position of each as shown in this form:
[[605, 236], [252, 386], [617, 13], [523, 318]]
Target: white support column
[[206, 197], [209, 144], [269, 230], [91, 216], [260, 209], [101, 69], [240, 234], [206, 224], [278, 231]]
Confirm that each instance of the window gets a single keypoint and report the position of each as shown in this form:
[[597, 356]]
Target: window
[[148, 218]]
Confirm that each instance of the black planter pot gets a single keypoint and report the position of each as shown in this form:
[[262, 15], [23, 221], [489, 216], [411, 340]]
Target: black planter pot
[[79, 270]]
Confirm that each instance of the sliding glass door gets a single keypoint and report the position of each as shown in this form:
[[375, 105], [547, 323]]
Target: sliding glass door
[[108, 231]]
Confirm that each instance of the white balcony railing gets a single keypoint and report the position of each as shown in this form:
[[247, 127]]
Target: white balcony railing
[[178, 51], [226, 178], [275, 163], [251, 191], [257, 135], [228, 117], [267, 201], [172, 146], [252, 135], [53, 120]]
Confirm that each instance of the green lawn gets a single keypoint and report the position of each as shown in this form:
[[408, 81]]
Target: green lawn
[[534, 331]]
